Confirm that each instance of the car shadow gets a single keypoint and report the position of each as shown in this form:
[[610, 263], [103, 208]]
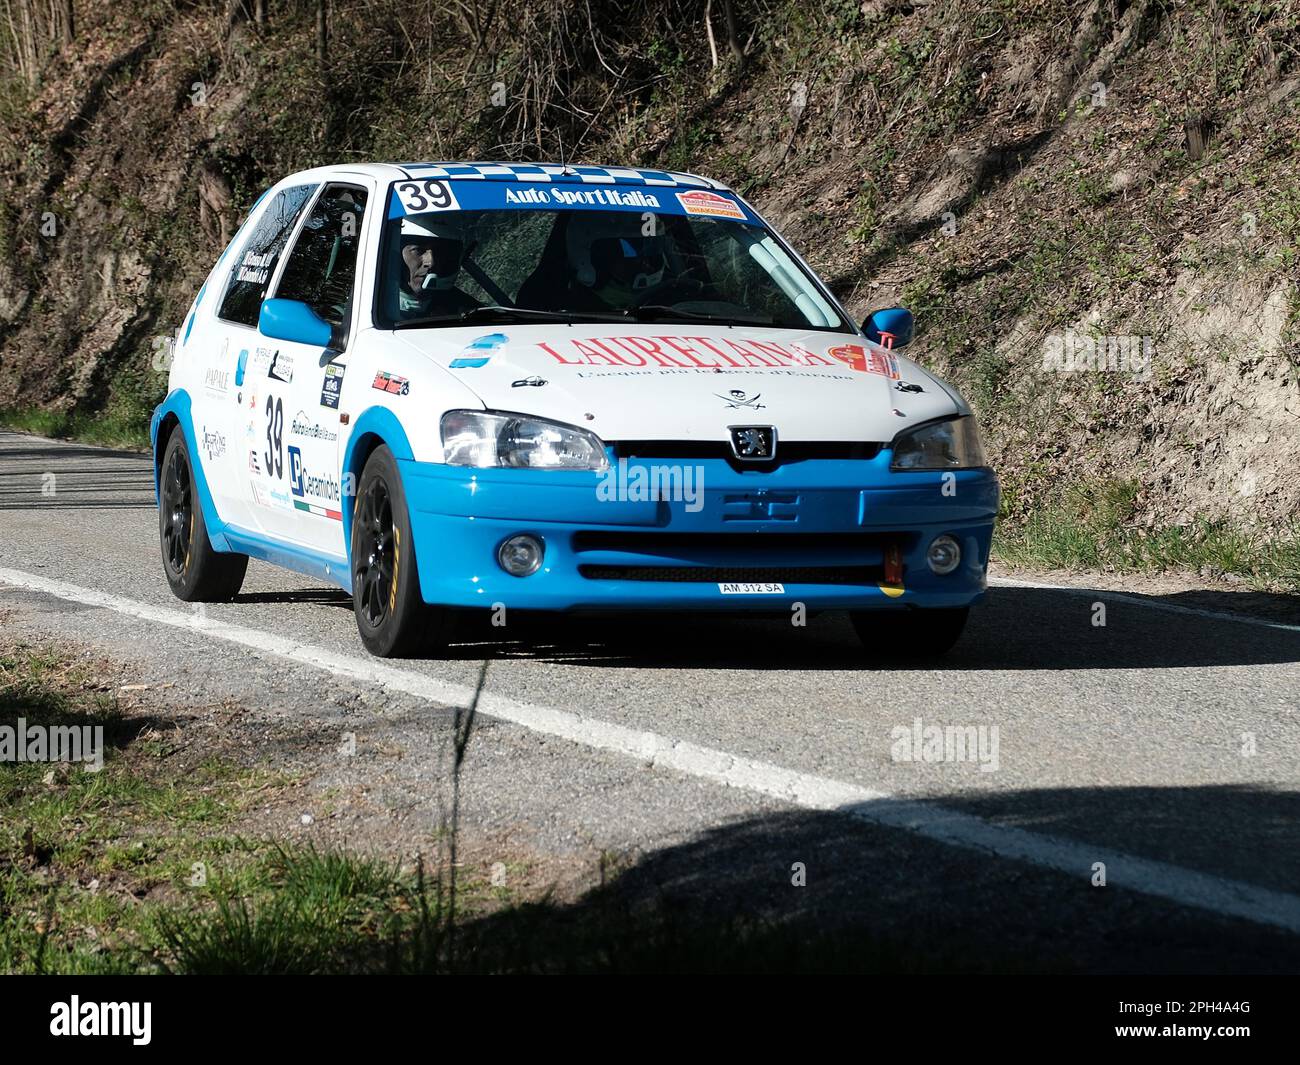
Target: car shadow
[[1015, 628], [313, 596]]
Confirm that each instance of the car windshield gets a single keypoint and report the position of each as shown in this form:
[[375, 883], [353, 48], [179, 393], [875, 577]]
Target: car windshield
[[441, 268]]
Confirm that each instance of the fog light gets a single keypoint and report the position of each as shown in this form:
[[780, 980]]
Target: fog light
[[521, 555], [944, 555]]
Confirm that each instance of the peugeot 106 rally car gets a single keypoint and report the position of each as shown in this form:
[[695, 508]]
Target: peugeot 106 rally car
[[446, 386]]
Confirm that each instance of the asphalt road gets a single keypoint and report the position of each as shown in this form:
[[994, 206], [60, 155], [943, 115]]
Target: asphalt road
[[718, 753]]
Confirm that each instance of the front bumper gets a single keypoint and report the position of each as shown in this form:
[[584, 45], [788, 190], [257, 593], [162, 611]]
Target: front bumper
[[819, 527]]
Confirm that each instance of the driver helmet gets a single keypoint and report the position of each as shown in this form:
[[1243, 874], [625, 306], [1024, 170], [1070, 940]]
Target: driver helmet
[[609, 246], [444, 240]]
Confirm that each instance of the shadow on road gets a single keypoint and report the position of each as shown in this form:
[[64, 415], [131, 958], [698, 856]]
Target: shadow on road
[[316, 596], [61, 453], [1014, 629], [882, 899], [37, 475]]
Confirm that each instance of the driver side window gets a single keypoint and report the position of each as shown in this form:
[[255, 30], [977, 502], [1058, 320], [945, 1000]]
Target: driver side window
[[252, 272], [322, 268]]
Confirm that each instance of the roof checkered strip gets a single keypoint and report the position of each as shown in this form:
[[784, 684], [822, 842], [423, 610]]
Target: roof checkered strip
[[590, 175]]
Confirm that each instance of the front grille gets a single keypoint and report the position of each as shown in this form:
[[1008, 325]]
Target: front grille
[[738, 574], [653, 542], [786, 450]]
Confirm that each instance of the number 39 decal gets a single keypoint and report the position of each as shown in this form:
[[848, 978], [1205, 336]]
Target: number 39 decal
[[419, 196]]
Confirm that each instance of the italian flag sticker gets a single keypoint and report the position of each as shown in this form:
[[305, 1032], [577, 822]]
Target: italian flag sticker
[[324, 512]]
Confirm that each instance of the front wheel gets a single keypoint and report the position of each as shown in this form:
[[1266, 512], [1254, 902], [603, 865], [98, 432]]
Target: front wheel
[[909, 634], [196, 571], [392, 618]]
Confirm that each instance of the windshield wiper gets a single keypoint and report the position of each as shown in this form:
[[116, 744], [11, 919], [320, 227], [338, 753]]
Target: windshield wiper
[[494, 313], [648, 312], [651, 311]]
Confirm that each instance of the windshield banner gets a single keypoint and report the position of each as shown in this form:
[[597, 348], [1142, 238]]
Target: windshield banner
[[421, 195]]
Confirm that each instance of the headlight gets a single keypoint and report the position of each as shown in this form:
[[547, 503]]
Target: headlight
[[480, 438], [948, 445]]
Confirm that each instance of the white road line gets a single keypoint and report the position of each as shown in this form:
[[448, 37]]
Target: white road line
[[1183, 886], [1137, 600]]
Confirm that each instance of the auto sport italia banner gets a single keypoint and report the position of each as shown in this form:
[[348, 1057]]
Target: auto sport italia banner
[[422, 195]]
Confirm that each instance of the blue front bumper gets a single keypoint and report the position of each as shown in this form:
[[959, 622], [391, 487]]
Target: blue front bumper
[[819, 527]]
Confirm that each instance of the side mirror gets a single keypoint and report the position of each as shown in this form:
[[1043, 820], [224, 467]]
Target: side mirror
[[891, 327], [294, 320]]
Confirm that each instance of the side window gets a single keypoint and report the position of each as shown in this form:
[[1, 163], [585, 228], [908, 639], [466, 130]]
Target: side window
[[252, 271], [322, 268]]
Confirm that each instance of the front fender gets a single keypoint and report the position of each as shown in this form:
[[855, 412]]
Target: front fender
[[177, 405], [375, 426]]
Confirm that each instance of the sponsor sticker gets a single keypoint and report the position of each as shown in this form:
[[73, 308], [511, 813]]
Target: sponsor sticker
[[752, 589], [295, 470], [303, 484], [332, 385], [214, 444], [738, 397], [303, 426], [271, 497], [698, 201], [858, 358], [240, 368], [218, 380], [478, 352], [536, 196], [676, 353], [391, 383], [280, 368]]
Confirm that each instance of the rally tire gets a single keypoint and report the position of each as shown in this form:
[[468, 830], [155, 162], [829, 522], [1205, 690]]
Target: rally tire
[[196, 572], [909, 635], [392, 618]]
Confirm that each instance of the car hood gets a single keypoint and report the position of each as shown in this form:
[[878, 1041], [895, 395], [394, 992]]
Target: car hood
[[671, 381]]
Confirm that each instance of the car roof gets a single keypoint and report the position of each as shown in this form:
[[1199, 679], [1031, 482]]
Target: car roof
[[560, 173]]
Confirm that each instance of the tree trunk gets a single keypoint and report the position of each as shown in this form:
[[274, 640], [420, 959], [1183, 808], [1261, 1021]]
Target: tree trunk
[[733, 35], [322, 32], [29, 46]]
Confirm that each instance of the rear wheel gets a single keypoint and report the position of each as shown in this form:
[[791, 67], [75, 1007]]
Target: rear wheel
[[909, 634], [392, 618], [196, 571]]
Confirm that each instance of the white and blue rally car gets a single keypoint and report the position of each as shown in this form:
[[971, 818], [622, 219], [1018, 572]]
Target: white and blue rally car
[[554, 387]]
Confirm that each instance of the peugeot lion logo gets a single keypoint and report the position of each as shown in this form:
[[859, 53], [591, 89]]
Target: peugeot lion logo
[[753, 443]]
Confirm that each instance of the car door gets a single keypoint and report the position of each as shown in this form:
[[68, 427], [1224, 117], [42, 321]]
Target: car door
[[299, 403], [225, 405]]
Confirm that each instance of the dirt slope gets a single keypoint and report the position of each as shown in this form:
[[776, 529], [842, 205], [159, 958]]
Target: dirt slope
[[1018, 172]]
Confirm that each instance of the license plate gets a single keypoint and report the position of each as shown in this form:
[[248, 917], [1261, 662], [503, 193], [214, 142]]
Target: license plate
[[752, 589]]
